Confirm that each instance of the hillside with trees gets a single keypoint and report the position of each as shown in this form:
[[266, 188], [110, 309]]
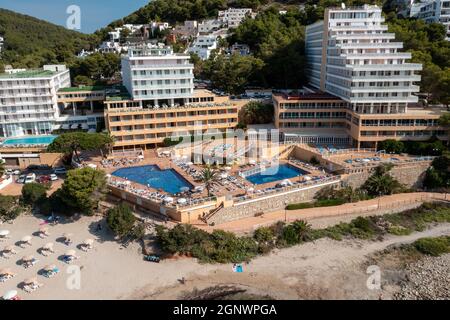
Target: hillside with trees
[[31, 43]]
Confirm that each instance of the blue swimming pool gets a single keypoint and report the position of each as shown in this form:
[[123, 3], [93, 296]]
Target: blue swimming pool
[[281, 172], [168, 180], [32, 140]]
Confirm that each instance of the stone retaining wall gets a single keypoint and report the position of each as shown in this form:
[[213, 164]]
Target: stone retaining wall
[[266, 204]]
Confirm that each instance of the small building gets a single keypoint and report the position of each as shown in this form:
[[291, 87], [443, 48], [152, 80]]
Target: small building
[[203, 46], [233, 17]]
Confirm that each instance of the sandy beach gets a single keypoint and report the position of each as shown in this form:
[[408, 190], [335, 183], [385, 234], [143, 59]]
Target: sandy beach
[[323, 269]]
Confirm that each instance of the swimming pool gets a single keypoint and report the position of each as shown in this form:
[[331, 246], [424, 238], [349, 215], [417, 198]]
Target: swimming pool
[[32, 140], [168, 180], [281, 172]]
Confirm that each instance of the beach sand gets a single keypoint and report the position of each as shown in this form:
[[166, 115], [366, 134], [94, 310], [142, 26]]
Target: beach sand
[[324, 269]]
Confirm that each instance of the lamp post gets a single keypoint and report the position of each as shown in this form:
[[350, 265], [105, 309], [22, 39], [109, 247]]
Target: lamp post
[[285, 210]]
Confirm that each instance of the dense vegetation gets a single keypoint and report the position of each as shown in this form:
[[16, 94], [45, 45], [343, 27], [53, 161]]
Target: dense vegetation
[[121, 220], [224, 247], [80, 193], [31, 43], [73, 142], [438, 174], [433, 246], [256, 113], [10, 208]]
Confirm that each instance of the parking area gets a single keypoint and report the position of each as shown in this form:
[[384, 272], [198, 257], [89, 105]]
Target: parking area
[[38, 174]]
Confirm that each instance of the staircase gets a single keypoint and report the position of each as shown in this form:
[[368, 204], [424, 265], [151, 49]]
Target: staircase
[[212, 213]]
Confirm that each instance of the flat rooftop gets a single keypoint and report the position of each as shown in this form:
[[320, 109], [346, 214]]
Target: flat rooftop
[[28, 74], [284, 97], [83, 89]]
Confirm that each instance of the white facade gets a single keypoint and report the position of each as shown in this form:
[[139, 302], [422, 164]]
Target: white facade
[[234, 16], [433, 11], [208, 26], [28, 100], [351, 55], [154, 75], [203, 46]]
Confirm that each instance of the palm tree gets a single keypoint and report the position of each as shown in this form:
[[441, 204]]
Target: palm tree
[[303, 230], [208, 176], [444, 121]]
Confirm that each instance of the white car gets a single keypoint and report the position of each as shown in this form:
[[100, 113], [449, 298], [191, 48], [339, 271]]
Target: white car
[[16, 172], [53, 177], [30, 178]]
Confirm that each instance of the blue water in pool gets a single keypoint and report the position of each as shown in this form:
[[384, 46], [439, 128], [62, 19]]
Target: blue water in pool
[[283, 171], [168, 180], [30, 140]]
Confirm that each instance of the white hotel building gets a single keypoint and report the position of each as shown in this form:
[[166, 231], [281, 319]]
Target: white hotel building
[[352, 56], [154, 75], [433, 11], [28, 100]]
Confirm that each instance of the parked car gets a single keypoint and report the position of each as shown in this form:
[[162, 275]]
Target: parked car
[[9, 171], [30, 178], [21, 179], [53, 177], [43, 179], [16, 172], [60, 170]]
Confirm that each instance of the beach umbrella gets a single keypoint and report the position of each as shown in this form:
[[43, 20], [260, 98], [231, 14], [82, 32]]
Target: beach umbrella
[[88, 242], [30, 281], [184, 189], [26, 239], [67, 235], [5, 271], [48, 246], [8, 248], [71, 253], [50, 267], [190, 163], [43, 229], [168, 199], [228, 168], [27, 258], [250, 189], [10, 295], [4, 233], [252, 161], [182, 201]]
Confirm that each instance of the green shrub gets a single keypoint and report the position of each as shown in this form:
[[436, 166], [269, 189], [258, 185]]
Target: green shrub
[[121, 220], [399, 230], [433, 246], [33, 193]]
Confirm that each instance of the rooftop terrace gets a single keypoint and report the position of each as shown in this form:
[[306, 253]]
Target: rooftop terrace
[[28, 74]]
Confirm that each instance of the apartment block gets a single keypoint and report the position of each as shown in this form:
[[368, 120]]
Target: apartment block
[[28, 100], [203, 46], [233, 17], [437, 11], [363, 86], [137, 125], [155, 75]]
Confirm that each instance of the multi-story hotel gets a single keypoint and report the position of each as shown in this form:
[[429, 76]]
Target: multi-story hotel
[[154, 75], [433, 11], [28, 100], [365, 86], [162, 101]]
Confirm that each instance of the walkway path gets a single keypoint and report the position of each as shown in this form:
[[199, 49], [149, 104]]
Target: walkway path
[[326, 216]]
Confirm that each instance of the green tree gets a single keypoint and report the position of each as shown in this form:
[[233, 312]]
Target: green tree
[[208, 177], [438, 175], [2, 168], [444, 121], [10, 208], [391, 146], [83, 189], [256, 113], [74, 142], [381, 182], [34, 193], [121, 220]]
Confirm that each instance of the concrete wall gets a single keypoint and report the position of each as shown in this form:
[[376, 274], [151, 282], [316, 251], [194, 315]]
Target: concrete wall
[[410, 175], [269, 203]]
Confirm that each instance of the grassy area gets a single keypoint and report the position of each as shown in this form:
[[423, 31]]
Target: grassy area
[[433, 246], [225, 247], [318, 203]]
